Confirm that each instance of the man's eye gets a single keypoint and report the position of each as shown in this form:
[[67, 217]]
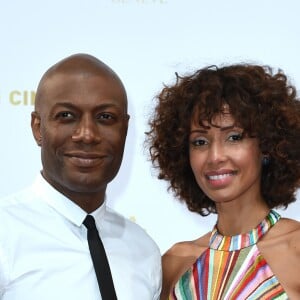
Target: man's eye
[[105, 116], [65, 115]]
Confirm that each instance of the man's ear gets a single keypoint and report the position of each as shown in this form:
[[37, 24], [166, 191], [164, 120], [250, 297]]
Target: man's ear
[[36, 127], [127, 122]]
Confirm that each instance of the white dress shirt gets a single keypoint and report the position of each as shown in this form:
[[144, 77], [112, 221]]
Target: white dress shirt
[[44, 253]]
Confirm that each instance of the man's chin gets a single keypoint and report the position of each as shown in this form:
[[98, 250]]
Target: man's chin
[[88, 187]]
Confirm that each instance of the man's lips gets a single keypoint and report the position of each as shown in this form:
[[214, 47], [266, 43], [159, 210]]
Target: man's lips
[[85, 159]]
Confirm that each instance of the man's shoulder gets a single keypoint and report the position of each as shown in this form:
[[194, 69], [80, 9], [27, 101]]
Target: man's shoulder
[[13, 199], [131, 231], [12, 210], [128, 225], [18, 205]]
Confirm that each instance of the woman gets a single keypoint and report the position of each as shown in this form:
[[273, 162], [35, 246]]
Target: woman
[[228, 141]]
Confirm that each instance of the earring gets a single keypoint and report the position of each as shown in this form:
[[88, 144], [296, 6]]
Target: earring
[[265, 160]]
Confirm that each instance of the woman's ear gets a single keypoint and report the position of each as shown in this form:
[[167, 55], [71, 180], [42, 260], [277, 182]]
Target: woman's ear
[[36, 127]]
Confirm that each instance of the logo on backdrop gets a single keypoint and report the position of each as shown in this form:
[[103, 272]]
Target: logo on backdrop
[[19, 98], [132, 218]]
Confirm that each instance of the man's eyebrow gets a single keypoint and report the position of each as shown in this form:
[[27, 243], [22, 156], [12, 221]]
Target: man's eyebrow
[[72, 105], [66, 104]]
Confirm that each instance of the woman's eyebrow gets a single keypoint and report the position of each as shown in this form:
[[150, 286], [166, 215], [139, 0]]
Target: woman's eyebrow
[[227, 127], [199, 131]]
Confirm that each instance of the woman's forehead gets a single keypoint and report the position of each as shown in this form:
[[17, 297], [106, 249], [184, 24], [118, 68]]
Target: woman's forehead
[[221, 119]]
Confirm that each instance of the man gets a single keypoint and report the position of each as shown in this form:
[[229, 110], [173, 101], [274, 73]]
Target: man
[[80, 122]]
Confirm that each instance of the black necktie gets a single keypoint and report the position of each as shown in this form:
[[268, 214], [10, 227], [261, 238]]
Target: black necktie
[[100, 261]]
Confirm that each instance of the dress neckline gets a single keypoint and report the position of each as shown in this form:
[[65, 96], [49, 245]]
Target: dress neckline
[[240, 241]]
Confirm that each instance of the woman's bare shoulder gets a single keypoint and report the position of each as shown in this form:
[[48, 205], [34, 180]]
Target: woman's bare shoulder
[[178, 259], [285, 233], [281, 249], [185, 253], [188, 248], [289, 229]]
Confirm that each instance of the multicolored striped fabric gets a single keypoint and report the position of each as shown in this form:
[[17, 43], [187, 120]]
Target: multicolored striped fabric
[[231, 268]]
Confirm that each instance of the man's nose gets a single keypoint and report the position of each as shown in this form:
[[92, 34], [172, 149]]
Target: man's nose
[[86, 131]]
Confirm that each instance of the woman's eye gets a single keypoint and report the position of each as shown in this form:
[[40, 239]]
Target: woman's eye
[[199, 142], [235, 137]]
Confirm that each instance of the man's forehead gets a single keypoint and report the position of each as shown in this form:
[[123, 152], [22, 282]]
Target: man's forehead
[[75, 68], [77, 72], [80, 90]]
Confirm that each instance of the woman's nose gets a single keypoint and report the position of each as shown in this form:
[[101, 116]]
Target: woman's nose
[[216, 153]]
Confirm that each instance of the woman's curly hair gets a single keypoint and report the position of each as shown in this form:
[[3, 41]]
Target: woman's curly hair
[[262, 102]]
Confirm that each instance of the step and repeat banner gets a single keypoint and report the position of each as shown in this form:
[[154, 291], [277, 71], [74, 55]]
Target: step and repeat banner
[[145, 42]]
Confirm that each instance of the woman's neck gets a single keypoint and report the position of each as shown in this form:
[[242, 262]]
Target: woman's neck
[[235, 219]]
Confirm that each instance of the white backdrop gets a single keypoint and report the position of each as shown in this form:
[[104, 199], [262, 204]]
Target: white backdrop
[[145, 42]]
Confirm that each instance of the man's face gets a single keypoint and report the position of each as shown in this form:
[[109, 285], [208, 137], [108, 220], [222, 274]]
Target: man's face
[[81, 126]]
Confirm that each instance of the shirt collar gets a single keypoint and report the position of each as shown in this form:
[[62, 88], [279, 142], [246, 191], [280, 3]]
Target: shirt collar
[[63, 205]]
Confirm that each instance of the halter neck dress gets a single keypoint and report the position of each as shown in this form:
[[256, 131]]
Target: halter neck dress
[[232, 268]]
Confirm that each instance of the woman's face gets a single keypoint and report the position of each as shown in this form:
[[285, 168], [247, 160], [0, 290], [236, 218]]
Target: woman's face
[[226, 164]]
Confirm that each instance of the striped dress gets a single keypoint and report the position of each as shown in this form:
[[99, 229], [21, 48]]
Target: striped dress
[[231, 268]]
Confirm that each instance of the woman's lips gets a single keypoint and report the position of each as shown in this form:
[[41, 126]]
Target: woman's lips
[[221, 178]]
